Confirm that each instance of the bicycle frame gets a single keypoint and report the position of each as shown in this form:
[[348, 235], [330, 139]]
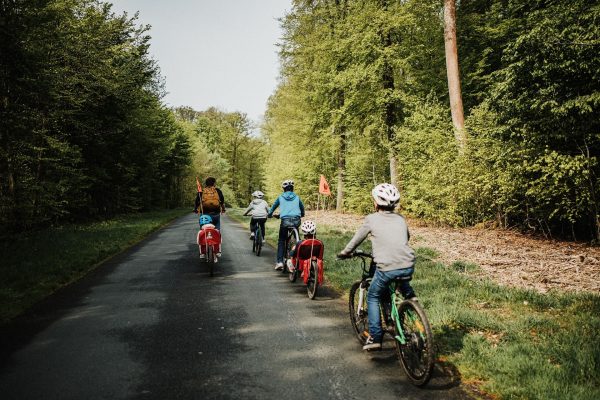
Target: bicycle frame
[[393, 294]]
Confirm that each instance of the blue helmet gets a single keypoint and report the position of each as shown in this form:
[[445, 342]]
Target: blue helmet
[[204, 219]]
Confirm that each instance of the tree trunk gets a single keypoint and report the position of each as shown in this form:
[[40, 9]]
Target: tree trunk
[[456, 105], [341, 171], [393, 169]]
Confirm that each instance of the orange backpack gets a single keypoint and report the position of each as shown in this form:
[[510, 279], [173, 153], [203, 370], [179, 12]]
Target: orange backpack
[[210, 199]]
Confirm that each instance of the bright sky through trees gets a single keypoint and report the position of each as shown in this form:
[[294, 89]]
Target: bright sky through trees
[[214, 53]]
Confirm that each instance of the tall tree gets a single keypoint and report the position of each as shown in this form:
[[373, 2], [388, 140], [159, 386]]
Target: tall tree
[[456, 105]]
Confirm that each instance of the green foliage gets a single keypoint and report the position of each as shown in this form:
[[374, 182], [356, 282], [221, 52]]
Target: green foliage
[[226, 149], [82, 129], [362, 99]]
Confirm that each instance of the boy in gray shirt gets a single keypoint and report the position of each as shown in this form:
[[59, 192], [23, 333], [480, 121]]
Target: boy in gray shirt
[[394, 257]]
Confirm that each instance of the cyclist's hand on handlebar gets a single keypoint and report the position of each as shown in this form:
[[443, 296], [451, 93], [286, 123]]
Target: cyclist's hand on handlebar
[[343, 256]]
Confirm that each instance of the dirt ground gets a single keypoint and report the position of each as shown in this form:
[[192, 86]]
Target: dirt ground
[[507, 257]]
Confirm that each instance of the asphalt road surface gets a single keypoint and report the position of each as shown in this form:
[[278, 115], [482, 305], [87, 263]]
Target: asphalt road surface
[[152, 324]]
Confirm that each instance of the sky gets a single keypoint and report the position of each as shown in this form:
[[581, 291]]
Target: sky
[[218, 53]]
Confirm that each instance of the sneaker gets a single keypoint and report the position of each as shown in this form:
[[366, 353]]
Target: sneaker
[[264, 241], [203, 256], [290, 266], [279, 266], [218, 254], [371, 344], [252, 236]]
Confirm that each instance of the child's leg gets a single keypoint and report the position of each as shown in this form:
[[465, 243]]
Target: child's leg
[[281, 242], [262, 226], [379, 285]]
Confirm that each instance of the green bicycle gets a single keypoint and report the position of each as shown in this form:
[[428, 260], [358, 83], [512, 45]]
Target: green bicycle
[[404, 320]]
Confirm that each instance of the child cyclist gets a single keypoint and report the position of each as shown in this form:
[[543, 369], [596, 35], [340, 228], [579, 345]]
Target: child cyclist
[[391, 252], [309, 229], [259, 210], [292, 210]]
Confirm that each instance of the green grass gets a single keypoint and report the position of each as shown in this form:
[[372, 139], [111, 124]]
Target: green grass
[[512, 343], [36, 264]]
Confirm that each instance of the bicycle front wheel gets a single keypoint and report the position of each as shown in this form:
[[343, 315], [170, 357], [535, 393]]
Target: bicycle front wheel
[[416, 354], [289, 245], [313, 280], [357, 307]]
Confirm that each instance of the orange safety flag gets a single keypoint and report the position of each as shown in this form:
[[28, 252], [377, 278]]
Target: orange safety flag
[[198, 185], [324, 187]]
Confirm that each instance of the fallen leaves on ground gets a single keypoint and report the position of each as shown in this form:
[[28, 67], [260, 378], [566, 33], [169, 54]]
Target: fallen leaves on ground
[[507, 257]]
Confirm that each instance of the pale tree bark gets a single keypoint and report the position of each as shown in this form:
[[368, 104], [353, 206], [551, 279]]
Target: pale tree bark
[[339, 206], [456, 105], [393, 170]]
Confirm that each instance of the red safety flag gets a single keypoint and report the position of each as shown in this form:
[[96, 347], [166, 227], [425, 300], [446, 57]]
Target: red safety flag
[[324, 187], [198, 185]]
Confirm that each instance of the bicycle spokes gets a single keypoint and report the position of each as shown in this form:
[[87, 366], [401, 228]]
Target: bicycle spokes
[[416, 351], [358, 311]]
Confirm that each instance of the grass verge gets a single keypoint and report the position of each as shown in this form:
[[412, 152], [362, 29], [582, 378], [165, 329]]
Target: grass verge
[[36, 264], [512, 343]]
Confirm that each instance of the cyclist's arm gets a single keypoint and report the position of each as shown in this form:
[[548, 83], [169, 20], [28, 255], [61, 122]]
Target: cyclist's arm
[[274, 207], [197, 201], [221, 199], [301, 209], [358, 238], [248, 209]]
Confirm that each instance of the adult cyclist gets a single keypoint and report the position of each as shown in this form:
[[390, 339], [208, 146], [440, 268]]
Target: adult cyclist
[[292, 209]]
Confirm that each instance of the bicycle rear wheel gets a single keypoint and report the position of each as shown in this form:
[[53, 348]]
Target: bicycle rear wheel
[[416, 355], [210, 259], [357, 307], [289, 244], [313, 280], [257, 241]]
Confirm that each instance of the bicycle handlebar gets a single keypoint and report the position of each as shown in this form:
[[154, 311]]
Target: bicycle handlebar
[[355, 253]]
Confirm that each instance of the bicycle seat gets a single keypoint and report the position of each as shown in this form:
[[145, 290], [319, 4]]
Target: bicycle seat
[[402, 279], [310, 248]]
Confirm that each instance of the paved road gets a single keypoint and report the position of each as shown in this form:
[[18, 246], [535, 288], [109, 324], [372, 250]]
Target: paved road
[[151, 324]]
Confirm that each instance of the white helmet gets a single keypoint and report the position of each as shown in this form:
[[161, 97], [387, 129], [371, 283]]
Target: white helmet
[[258, 194], [308, 227], [286, 183], [386, 195]]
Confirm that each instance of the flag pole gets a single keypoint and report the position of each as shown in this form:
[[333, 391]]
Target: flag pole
[[199, 188]]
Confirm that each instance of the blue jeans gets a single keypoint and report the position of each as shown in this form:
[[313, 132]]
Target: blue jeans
[[380, 289], [216, 220], [285, 223]]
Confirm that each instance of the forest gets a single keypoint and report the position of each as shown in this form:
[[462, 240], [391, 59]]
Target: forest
[[362, 98]]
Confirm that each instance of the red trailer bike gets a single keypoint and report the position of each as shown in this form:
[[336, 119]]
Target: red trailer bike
[[209, 247]]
